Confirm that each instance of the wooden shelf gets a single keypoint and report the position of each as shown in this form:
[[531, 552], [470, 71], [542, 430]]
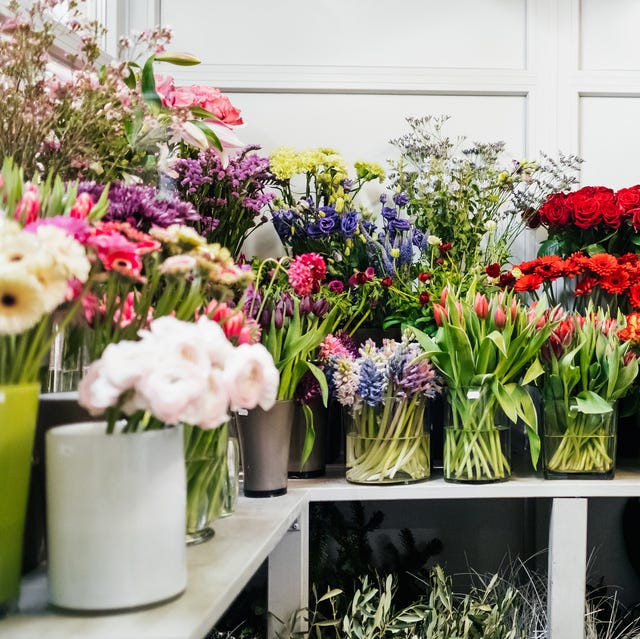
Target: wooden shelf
[[219, 569], [217, 572]]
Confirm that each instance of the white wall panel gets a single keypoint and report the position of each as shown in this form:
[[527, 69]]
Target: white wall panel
[[609, 34], [414, 33], [360, 125], [610, 139]]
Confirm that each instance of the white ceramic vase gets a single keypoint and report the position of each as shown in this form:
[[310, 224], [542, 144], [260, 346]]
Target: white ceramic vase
[[116, 507]]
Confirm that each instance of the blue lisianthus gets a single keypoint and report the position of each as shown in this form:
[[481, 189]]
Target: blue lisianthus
[[399, 224], [372, 383], [419, 239], [314, 231], [401, 199], [283, 222], [389, 213], [349, 224], [329, 223]]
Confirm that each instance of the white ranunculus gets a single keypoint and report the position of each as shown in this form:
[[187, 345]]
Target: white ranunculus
[[212, 408], [95, 392], [171, 388], [214, 342], [252, 378], [126, 362]]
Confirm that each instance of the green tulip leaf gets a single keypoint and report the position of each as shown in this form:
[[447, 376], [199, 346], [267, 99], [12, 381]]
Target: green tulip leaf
[[590, 403]]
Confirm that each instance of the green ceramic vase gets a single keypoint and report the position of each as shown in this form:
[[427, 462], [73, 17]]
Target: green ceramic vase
[[18, 412]]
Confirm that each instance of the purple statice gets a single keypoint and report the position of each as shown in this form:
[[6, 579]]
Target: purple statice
[[372, 383], [230, 198], [141, 205]]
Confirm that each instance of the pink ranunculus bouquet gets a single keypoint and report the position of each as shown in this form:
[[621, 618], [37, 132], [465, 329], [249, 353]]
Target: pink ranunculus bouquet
[[178, 372]]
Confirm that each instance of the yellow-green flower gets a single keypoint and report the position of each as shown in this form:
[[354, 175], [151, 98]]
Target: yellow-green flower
[[369, 171], [285, 162]]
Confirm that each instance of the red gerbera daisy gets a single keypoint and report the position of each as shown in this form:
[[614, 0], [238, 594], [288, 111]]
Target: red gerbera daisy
[[550, 267], [603, 264], [616, 283], [528, 283], [585, 285], [633, 294]]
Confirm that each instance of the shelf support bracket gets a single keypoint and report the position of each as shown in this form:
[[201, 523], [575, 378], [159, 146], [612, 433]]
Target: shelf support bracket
[[567, 567], [289, 576]]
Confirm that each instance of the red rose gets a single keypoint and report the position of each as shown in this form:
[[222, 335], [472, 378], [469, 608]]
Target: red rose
[[555, 212], [386, 281], [424, 277], [635, 218], [445, 246], [589, 204], [628, 199]]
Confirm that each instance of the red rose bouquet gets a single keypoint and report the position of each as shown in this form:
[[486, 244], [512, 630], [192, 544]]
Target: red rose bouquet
[[594, 218]]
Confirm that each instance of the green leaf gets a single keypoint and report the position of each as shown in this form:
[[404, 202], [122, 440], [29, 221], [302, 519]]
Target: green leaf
[[330, 594], [533, 372], [199, 112], [310, 434], [551, 246], [593, 249], [148, 85], [590, 403], [214, 140], [322, 380], [178, 58], [498, 339]]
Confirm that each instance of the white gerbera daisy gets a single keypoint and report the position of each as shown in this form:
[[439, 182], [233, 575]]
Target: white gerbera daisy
[[21, 302], [18, 250]]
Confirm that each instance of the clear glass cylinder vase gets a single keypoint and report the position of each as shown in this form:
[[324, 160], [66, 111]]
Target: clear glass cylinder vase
[[387, 443], [207, 476], [578, 445], [477, 437]]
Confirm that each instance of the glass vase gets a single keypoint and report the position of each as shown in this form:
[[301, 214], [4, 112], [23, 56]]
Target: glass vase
[[387, 443], [578, 445], [206, 468], [477, 437]]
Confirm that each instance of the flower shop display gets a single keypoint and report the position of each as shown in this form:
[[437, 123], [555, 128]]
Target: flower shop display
[[591, 219], [588, 368], [461, 193], [385, 390], [317, 211], [487, 349], [296, 310], [229, 198], [177, 373], [602, 279]]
